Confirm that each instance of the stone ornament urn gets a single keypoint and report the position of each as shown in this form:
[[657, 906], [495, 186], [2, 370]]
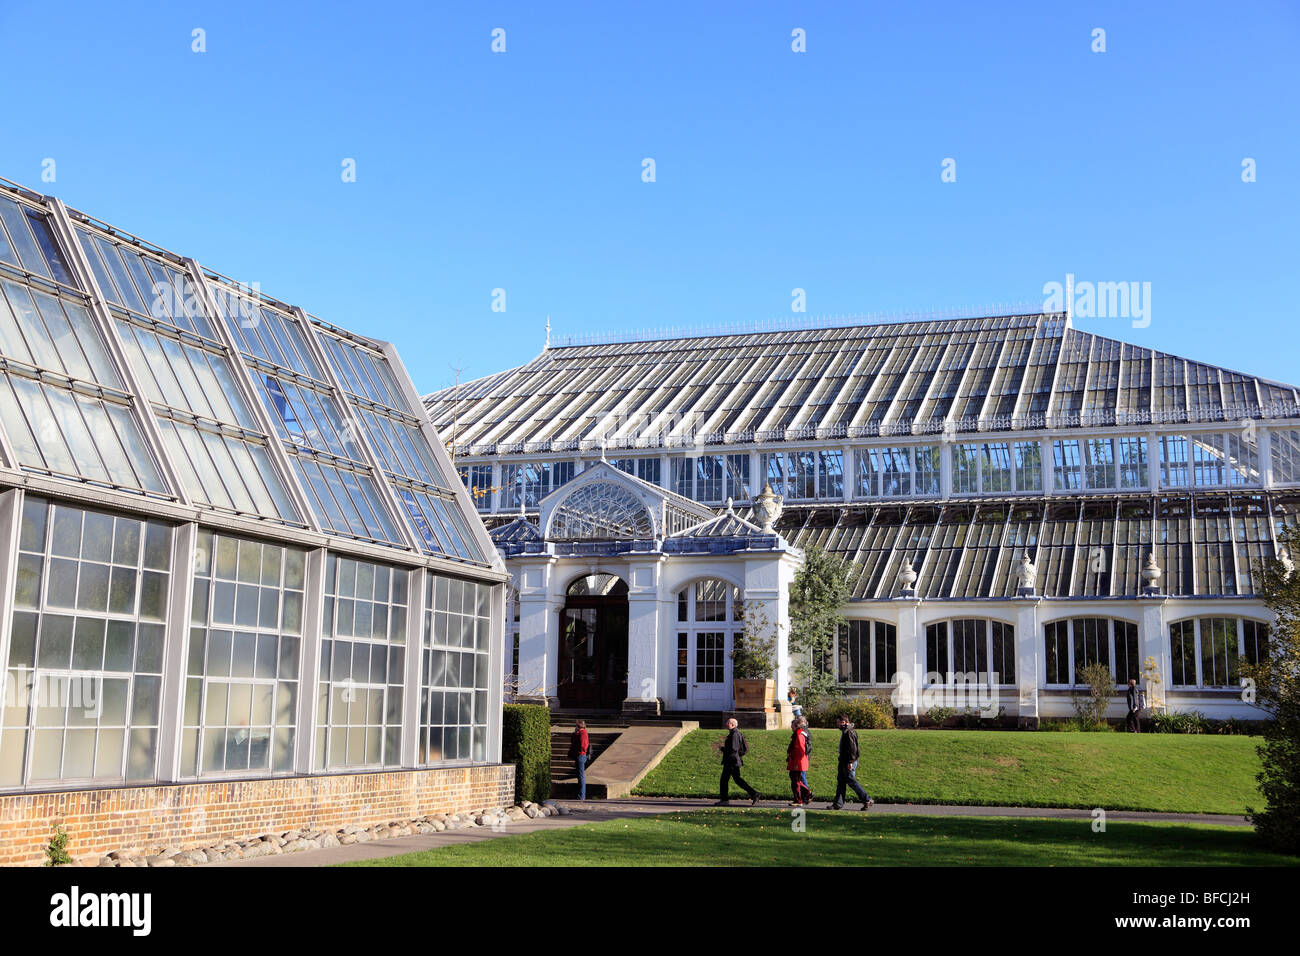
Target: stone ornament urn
[[767, 508], [907, 578], [1151, 574]]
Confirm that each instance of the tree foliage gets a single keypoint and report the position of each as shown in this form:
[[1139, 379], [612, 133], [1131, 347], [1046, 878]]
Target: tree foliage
[[1274, 683], [753, 655], [817, 597]]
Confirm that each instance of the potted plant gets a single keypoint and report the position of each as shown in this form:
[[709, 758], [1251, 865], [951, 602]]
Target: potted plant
[[753, 663]]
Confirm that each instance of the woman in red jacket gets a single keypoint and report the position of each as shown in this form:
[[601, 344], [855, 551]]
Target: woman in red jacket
[[579, 751], [796, 761]]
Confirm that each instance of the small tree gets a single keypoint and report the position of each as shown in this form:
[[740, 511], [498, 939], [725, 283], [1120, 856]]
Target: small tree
[[1274, 685], [1091, 703], [753, 655], [817, 597]]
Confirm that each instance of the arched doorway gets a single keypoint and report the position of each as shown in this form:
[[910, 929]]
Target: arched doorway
[[593, 643]]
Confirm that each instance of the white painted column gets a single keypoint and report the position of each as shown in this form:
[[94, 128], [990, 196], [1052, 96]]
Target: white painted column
[[1264, 447], [498, 642], [176, 639], [11, 516], [645, 689], [1153, 642], [1153, 462], [911, 660], [1048, 465], [767, 590], [309, 683], [1027, 661], [412, 719], [850, 473], [538, 621], [946, 450]]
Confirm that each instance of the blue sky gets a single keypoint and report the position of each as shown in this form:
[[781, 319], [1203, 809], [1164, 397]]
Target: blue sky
[[774, 170]]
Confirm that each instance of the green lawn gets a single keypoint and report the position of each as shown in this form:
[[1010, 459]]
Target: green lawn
[[765, 838], [1173, 773]]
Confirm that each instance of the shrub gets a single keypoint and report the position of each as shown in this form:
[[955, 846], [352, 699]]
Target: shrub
[[938, 715], [1233, 726], [865, 713], [56, 853], [1186, 722], [526, 743], [1090, 704], [1072, 725]]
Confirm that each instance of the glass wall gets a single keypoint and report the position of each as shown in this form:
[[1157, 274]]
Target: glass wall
[[241, 685], [970, 650], [84, 674], [897, 472], [1079, 642], [362, 665], [1206, 652], [532, 481], [455, 671], [866, 652]]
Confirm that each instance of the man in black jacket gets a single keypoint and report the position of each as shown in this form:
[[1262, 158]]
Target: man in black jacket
[[848, 765], [734, 749], [1133, 706]]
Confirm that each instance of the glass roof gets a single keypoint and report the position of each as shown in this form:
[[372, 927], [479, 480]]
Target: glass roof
[[1018, 372], [125, 366], [1209, 545]]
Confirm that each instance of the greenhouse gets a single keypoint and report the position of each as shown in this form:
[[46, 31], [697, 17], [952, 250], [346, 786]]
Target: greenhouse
[[232, 543], [1016, 498]]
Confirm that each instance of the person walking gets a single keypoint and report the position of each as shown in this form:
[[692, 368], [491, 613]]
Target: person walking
[[734, 749], [796, 762], [579, 749], [1134, 705], [848, 765]]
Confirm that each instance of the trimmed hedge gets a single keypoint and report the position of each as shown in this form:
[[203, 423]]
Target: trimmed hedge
[[526, 743], [865, 713]]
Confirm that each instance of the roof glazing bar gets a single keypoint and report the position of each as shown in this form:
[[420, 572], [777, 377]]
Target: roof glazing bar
[[100, 314]]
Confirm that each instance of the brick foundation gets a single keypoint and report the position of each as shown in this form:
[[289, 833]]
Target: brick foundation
[[200, 814]]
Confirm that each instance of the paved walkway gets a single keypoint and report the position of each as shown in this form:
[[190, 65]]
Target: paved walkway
[[596, 811]]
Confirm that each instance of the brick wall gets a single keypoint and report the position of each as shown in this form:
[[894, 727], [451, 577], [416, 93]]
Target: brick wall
[[200, 814]]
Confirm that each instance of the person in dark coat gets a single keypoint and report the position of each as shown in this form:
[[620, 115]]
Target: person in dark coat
[[848, 765], [733, 754], [796, 762], [1134, 705], [579, 751]]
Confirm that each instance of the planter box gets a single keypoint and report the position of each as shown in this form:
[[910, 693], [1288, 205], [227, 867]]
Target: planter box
[[754, 694]]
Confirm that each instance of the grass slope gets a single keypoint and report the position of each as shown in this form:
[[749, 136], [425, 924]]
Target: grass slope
[[1172, 773], [766, 838]]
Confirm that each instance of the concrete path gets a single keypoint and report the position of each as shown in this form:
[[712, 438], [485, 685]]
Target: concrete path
[[634, 754], [594, 812]]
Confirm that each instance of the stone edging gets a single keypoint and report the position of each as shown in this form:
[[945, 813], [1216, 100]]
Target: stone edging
[[296, 841]]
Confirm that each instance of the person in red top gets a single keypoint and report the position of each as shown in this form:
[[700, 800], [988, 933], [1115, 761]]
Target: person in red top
[[796, 761], [579, 749]]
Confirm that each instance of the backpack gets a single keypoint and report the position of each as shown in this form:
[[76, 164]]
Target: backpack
[[807, 742]]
